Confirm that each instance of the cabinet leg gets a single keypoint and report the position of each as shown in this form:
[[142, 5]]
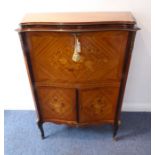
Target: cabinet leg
[[115, 130], [40, 126]]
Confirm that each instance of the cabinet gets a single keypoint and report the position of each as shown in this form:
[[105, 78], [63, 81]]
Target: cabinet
[[77, 65]]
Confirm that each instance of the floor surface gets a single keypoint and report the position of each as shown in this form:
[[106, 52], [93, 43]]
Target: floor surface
[[22, 136]]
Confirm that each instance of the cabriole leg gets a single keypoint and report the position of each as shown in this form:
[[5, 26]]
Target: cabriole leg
[[40, 126], [115, 129]]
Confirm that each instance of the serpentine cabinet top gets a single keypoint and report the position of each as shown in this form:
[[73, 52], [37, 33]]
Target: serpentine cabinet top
[[78, 18], [78, 21]]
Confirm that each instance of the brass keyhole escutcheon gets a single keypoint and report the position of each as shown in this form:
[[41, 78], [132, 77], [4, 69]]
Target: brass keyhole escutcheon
[[77, 50]]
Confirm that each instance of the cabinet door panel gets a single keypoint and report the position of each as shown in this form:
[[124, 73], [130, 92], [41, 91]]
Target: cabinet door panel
[[98, 104], [57, 103], [102, 55]]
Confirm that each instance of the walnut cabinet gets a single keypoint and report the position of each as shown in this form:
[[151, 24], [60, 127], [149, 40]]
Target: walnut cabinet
[[78, 65]]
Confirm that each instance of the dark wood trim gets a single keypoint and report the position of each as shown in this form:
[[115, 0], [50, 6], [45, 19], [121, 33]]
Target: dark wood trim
[[71, 26], [77, 105], [26, 53], [125, 71], [73, 30], [40, 126], [80, 23], [77, 28]]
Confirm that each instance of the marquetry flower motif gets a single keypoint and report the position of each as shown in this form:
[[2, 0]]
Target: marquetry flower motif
[[57, 105], [98, 105]]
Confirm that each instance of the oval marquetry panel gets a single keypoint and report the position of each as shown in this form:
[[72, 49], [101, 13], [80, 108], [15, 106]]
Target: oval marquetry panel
[[57, 104], [101, 57], [98, 104]]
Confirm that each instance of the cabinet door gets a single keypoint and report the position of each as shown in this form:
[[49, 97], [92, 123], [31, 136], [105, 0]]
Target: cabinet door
[[102, 56], [57, 104], [98, 104]]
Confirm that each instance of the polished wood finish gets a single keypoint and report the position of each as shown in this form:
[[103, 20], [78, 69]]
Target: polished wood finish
[[100, 61], [57, 103], [98, 104], [89, 91], [78, 18]]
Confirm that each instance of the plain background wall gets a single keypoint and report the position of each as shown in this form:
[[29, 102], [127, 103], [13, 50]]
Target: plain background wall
[[14, 86]]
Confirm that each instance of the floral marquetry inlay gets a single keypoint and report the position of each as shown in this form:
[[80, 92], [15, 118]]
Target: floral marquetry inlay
[[101, 57], [97, 104], [57, 103]]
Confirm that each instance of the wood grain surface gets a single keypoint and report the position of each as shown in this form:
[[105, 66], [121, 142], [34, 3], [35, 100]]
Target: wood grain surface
[[57, 103], [102, 55], [78, 18], [83, 92], [98, 104]]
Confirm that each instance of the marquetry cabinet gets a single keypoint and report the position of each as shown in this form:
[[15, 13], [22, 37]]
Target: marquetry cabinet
[[78, 65]]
